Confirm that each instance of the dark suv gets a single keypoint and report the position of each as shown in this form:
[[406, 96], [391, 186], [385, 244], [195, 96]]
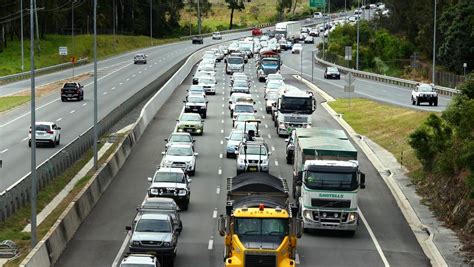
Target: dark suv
[[72, 90], [197, 40]]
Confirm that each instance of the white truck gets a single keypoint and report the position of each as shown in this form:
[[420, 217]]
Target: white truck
[[326, 179], [288, 29], [294, 108]]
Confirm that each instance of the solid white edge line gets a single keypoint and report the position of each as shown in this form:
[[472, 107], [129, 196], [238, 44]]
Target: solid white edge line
[[3, 151], [121, 250], [214, 214], [374, 239], [211, 242]]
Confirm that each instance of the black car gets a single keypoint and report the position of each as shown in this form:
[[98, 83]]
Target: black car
[[197, 40], [196, 104], [72, 90], [162, 205], [332, 73]]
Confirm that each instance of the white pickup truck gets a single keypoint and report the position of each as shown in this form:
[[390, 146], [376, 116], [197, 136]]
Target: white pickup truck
[[424, 93]]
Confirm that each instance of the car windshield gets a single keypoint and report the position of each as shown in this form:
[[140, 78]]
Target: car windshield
[[179, 151], [159, 205], [254, 150], [235, 60], [190, 117], [240, 83], [180, 138], [332, 70], [236, 135], [270, 61], [243, 109], [245, 117], [275, 85], [196, 99], [331, 180], [425, 88], [168, 177], [153, 225], [205, 80]]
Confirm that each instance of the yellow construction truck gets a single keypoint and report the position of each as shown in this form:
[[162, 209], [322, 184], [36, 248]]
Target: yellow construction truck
[[260, 226]]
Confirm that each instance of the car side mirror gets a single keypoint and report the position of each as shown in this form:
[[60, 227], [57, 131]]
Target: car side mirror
[[166, 139], [207, 102], [362, 180], [128, 228], [177, 120], [190, 180], [59, 128], [269, 153], [184, 101], [287, 140], [149, 179], [194, 141], [163, 153], [196, 154], [236, 152], [221, 225], [227, 138], [254, 111]]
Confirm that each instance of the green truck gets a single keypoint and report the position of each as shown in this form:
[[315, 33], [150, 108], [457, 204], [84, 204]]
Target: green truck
[[326, 179]]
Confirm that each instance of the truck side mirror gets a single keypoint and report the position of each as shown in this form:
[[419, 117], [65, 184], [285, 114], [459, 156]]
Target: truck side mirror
[[128, 228], [221, 225], [362, 180]]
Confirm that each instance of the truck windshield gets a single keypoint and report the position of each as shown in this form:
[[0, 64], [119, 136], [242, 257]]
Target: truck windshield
[[296, 104], [268, 229], [235, 60], [269, 61], [331, 181]]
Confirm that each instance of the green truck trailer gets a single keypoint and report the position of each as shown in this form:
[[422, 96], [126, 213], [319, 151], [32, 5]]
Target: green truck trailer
[[326, 179]]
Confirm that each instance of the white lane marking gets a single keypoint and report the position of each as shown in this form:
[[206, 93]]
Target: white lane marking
[[85, 104], [105, 93], [261, 109], [260, 102], [222, 121], [222, 142], [374, 239], [72, 111], [223, 105], [121, 250], [276, 163], [59, 119], [263, 116], [128, 79], [24, 139], [218, 190], [220, 155], [26, 114], [273, 148], [214, 214], [297, 258], [269, 136], [222, 113], [134, 75], [266, 125], [211, 242], [220, 171], [139, 72], [113, 88], [258, 96], [223, 98], [120, 83], [222, 130], [156, 63], [3, 151]]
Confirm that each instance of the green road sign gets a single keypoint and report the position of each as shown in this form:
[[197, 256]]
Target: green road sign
[[317, 3]]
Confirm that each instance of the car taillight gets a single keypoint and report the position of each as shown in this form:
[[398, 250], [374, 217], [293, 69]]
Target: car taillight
[[50, 132]]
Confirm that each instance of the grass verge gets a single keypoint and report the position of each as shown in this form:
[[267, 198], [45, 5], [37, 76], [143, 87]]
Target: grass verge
[[12, 228], [387, 125], [9, 102]]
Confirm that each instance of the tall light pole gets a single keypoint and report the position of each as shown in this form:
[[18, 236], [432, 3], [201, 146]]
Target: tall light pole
[[72, 34], [33, 126], [301, 64], [199, 18], [357, 49], [151, 22], [434, 45], [96, 130], [464, 67], [113, 21], [21, 37], [37, 26]]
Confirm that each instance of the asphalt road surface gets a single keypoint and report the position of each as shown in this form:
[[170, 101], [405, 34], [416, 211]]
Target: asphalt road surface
[[383, 237]]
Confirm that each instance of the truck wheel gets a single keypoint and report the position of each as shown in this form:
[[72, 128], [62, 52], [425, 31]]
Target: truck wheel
[[186, 205], [413, 102], [431, 103], [436, 102], [204, 115], [288, 160], [63, 99]]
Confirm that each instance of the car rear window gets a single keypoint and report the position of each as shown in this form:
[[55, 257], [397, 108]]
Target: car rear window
[[69, 85], [42, 127]]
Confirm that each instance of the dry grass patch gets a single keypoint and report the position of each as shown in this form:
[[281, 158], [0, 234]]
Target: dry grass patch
[[387, 125]]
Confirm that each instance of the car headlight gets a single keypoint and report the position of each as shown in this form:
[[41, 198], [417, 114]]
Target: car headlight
[[135, 243], [167, 244], [265, 162], [182, 192], [154, 191], [241, 161], [180, 130], [352, 217], [307, 214]]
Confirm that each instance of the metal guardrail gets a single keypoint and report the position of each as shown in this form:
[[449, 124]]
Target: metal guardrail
[[189, 37], [383, 78], [26, 75]]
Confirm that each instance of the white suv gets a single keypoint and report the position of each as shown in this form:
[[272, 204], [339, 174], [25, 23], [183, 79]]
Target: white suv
[[46, 133], [142, 260], [180, 156], [253, 157], [424, 93]]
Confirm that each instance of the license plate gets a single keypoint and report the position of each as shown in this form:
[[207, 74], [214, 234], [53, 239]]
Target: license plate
[[253, 169], [39, 133], [195, 109], [189, 130]]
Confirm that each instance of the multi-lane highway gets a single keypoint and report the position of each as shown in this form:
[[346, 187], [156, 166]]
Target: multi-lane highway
[[383, 238], [118, 79]]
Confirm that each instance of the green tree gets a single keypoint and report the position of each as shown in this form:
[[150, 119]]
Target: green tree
[[234, 5]]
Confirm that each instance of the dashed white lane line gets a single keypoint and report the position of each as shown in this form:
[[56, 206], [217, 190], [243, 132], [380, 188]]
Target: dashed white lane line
[[128, 79], [113, 88], [220, 155], [261, 109], [297, 259], [219, 172], [211, 243], [105, 93], [156, 63], [269, 136], [276, 163], [120, 83], [24, 139], [273, 148], [85, 104], [222, 130], [222, 113], [222, 121], [133, 75], [223, 105], [223, 98], [3, 151], [266, 125], [222, 142], [72, 111], [214, 214], [59, 119], [139, 72], [263, 116], [218, 190]]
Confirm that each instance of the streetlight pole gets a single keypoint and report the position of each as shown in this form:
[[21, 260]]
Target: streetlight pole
[[151, 22], [433, 74], [199, 18], [21, 37], [312, 65], [113, 21], [33, 126], [96, 130], [357, 52], [465, 67], [72, 34], [301, 65]]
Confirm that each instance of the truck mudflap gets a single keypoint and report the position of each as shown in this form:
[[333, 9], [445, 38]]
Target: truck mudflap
[[334, 219]]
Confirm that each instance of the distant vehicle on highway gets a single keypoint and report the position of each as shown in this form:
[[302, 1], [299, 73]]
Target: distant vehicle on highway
[[196, 104], [234, 64], [179, 138], [180, 156], [209, 84], [256, 32], [190, 123], [142, 260], [46, 133], [296, 49], [163, 205], [240, 86], [197, 40], [72, 91], [172, 183], [216, 36], [424, 93], [309, 39], [233, 142], [153, 232], [139, 59], [332, 73], [317, 15]]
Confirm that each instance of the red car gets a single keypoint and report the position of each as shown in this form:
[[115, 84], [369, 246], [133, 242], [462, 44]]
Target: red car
[[256, 32]]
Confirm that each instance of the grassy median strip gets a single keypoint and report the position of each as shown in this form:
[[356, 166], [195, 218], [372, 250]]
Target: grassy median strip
[[12, 228], [9, 102], [386, 125]]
